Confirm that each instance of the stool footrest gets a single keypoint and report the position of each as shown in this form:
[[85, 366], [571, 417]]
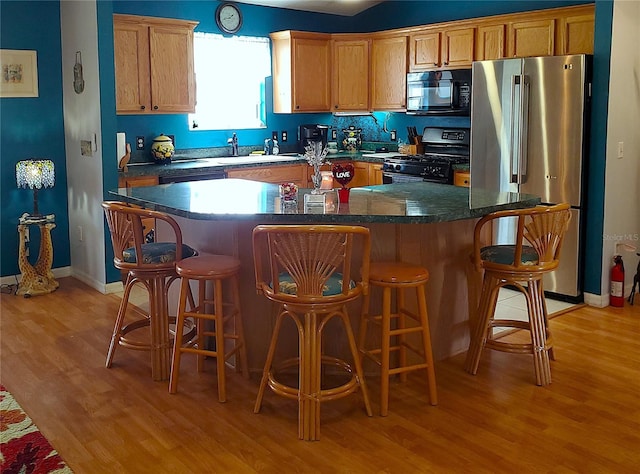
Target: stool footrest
[[326, 394]]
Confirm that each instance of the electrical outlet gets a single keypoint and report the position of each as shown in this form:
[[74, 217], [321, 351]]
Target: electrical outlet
[[334, 134], [393, 135], [284, 136], [274, 136], [620, 149], [139, 143]]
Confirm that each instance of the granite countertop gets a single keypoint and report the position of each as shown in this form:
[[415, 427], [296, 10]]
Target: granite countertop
[[184, 164], [238, 199]]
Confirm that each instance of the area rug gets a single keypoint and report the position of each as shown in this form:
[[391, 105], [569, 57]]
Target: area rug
[[23, 449]]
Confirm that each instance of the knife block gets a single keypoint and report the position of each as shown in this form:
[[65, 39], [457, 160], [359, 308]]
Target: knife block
[[416, 148]]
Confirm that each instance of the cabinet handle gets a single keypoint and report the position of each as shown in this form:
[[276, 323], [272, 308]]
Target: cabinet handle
[[297, 106], [142, 107], [336, 106], [436, 64], [155, 107], [446, 63]]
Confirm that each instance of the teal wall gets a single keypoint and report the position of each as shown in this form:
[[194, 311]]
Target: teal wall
[[34, 127]]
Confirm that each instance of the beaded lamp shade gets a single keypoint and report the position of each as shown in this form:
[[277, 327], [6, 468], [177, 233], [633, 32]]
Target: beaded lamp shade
[[35, 174]]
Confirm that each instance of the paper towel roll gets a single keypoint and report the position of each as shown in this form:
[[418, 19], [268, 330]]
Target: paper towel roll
[[121, 146]]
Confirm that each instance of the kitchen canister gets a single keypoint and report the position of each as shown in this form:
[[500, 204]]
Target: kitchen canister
[[162, 149]]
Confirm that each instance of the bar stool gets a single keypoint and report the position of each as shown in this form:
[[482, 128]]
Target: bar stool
[[153, 265], [225, 316], [398, 276], [310, 272], [522, 267]]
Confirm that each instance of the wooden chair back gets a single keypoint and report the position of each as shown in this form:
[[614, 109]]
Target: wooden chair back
[[311, 256], [541, 227], [127, 232]]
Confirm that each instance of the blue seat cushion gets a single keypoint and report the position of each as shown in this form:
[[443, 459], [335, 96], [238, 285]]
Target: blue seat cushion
[[333, 286], [157, 252], [503, 254]]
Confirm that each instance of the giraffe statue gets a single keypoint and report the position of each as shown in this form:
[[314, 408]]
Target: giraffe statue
[[38, 279], [45, 255]]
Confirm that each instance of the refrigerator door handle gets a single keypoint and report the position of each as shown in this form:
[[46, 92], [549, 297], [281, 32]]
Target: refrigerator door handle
[[514, 140], [523, 122]]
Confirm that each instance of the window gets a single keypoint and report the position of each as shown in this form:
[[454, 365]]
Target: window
[[230, 82]]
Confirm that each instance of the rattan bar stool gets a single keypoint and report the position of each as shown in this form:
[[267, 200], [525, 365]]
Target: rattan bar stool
[[312, 272], [398, 277], [522, 267], [224, 316], [151, 264]]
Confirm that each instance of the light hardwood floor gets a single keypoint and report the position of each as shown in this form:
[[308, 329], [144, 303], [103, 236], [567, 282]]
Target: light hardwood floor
[[115, 420]]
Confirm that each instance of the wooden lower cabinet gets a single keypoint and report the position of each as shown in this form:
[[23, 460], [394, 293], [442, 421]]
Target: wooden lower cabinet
[[375, 173], [364, 173], [462, 178], [273, 174], [149, 225]]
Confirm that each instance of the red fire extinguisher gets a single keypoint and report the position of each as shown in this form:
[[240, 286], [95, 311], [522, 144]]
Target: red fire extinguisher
[[617, 283]]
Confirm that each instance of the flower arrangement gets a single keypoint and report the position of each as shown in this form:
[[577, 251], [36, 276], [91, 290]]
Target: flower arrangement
[[315, 155], [288, 191]]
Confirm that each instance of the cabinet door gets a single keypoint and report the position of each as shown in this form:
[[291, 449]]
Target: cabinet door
[[577, 34], [389, 73], [462, 178], [490, 42], [458, 47], [360, 174], [131, 58], [272, 174], [138, 181], [424, 51], [350, 83], [532, 38], [375, 173], [148, 224], [311, 79], [172, 73]]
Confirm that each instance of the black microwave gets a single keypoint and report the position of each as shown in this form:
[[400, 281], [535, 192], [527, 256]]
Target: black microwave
[[443, 92]]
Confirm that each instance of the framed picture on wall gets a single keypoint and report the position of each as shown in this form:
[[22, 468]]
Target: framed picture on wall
[[19, 73]]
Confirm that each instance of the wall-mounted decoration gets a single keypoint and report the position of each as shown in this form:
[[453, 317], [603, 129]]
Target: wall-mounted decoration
[[78, 76], [19, 69]]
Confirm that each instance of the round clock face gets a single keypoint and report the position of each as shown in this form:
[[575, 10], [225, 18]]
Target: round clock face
[[228, 18]]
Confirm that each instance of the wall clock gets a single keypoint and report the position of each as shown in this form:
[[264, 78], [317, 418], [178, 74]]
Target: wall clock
[[228, 18]]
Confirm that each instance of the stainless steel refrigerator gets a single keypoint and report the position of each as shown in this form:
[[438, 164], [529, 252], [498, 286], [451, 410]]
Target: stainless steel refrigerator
[[529, 135]]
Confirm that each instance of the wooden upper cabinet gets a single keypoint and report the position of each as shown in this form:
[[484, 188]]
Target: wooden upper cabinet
[[301, 65], [443, 47], [424, 50], [153, 65], [389, 73], [350, 74], [131, 47], [173, 87], [490, 42], [577, 33], [532, 38], [458, 47]]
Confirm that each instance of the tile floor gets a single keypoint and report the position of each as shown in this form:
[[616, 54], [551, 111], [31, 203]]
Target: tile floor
[[511, 305]]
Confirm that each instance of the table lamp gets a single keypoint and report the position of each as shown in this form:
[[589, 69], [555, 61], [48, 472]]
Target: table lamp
[[35, 174]]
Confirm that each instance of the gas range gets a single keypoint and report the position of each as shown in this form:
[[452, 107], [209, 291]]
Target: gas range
[[443, 148]]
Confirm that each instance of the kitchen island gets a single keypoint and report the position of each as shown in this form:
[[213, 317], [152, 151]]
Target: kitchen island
[[421, 222]]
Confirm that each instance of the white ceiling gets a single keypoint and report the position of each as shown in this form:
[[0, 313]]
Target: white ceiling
[[336, 7]]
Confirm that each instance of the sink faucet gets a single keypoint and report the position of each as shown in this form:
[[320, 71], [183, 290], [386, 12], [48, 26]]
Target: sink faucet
[[266, 146], [234, 144]]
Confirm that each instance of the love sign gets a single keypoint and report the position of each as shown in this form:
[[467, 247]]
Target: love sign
[[343, 174]]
